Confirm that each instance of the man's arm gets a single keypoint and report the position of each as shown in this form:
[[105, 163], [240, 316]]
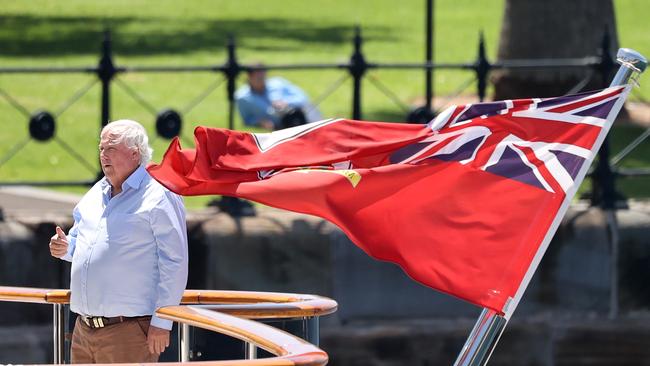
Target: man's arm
[[254, 113], [247, 111], [292, 95], [170, 232]]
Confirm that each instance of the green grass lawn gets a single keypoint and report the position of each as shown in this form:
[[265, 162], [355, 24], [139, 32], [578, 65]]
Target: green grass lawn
[[68, 33]]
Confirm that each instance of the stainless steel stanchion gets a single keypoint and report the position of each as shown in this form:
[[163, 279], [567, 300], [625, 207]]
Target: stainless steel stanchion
[[59, 333], [183, 342], [251, 351]]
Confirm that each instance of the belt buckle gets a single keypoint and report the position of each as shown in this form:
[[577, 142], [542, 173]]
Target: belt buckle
[[94, 321]]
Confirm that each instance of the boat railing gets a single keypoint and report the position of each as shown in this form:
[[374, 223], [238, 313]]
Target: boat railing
[[232, 313]]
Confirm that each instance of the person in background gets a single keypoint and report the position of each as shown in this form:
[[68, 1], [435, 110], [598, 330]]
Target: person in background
[[273, 103], [128, 248]]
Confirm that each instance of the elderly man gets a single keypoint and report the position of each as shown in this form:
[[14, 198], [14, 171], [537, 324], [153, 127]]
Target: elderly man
[[128, 249]]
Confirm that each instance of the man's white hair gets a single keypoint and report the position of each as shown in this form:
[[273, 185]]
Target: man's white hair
[[133, 135]]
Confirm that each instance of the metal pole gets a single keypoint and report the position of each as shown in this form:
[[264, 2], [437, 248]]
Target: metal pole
[[59, 333], [482, 68], [429, 55], [358, 67], [612, 230], [183, 342], [231, 71], [603, 180], [482, 340], [250, 350], [312, 330], [106, 71], [488, 328]]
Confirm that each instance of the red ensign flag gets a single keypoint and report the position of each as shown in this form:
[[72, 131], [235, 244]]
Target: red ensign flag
[[461, 204]]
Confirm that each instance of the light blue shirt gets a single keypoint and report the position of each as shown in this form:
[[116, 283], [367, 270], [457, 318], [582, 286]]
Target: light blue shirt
[[254, 107], [128, 253]]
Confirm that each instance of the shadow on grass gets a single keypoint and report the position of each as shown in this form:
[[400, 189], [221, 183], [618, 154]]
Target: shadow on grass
[[25, 35]]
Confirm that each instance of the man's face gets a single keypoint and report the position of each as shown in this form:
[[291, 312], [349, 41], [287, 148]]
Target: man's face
[[257, 80], [118, 161]]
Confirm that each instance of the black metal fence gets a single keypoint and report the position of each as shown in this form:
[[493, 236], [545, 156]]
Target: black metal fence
[[169, 122]]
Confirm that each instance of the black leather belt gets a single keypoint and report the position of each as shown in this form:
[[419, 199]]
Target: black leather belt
[[102, 321]]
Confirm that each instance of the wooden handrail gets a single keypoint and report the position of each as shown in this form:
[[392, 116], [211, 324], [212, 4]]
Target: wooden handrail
[[289, 349], [248, 304], [198, 307], [34, 295], [261, 305]]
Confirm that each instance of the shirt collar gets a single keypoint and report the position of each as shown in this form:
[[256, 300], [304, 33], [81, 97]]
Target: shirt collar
[[134, 180]]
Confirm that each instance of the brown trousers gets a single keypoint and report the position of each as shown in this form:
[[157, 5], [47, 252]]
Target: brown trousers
[[116, 343]]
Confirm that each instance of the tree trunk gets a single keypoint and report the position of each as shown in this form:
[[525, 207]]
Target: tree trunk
[[552, 29]]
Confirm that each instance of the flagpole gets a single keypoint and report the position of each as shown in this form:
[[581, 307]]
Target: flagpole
[[482, 339], [489, 326]]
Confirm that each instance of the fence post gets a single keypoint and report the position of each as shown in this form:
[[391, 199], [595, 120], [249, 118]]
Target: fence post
[[231, 71], [106, 71], [603, 178], [482, 68], [607, 66], [358, 67], [429, 56]]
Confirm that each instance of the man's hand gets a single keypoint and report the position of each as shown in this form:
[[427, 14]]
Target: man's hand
[[279, 105], [58, 244], [157, 339]]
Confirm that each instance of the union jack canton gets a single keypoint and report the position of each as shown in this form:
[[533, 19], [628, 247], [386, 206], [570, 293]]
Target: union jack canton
[[541, 142]]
